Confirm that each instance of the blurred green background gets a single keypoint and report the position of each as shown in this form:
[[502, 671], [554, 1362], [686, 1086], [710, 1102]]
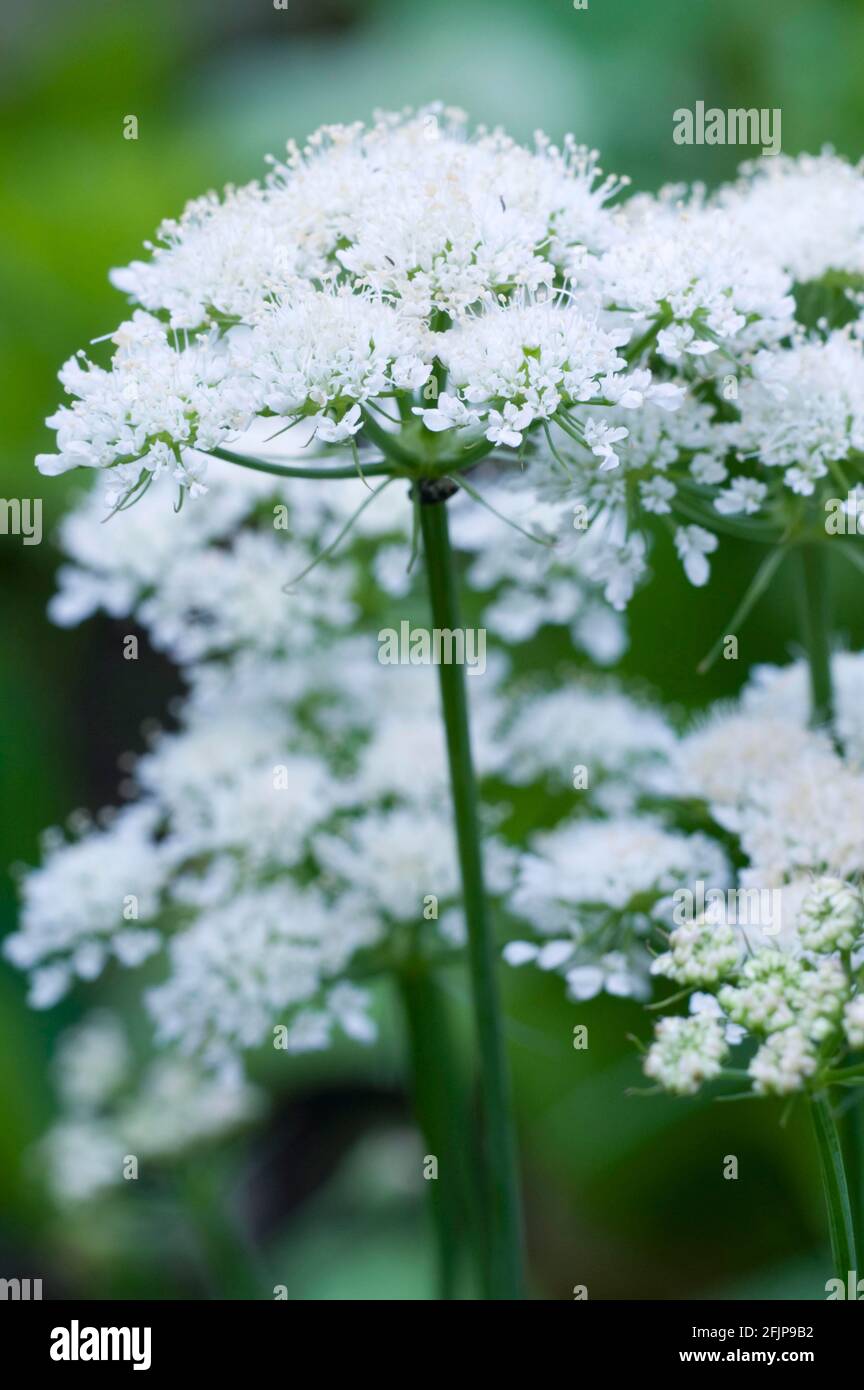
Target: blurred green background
[[625, 1195]]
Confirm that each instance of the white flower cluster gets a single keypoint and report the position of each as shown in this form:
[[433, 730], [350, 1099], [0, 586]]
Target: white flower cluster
[[801, 410], [781, 955], [796, 804], [532, 360], [250, 960], [685, 258], [430, 296], [701, 952], [215, 579], [436, 295], [111, 1109], [409, 209], [686, 1052], [593, 889], [774, 380], [773, 948], [806, 214], [790, 999], [157, 390], [590, 736], [782, 695], [299, 817], [669, 465], [418, 300], [94, 898], [364, 260], [271, 845]]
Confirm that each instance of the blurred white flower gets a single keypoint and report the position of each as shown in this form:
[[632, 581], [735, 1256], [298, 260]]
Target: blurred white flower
[[694, 544], [112, 1108]]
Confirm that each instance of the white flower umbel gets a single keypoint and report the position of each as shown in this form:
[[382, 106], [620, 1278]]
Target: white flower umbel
[[244, 964], [806, 213], [394, 859], [790, 999], [215, 602], [603, 517], [280, 771], [783, 1063], [92, 1062], [531, 359], [410, 208], [701, 953], [590, 736], [788, 980], [730, 752], [596, 886], [782, 693], [365, 267], [685, 1053], [112, 1107], [801, 409], [420, 297], [683, 261], [619, 862], [831, 916], [96, 897]]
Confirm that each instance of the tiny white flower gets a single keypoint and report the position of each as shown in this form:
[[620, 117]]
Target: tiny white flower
[[600, 438], [708, 470], [853, 1021], [668, 395], [506, 427], [707, 1004], [337, 431], [693, 544], [410, 373], [744, 495], [584, 982], [520, 952], [656, 494], [450, 413], [802, 477], [553, 954]]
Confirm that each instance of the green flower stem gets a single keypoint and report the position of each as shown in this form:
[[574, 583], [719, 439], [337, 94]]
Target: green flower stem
[[504, 1238], [421, 464], [441, 1108], [397, 461], [816, 630], [838, 1076], [835, 1187], [284, 470], [853, 1139], [758, 584], [225, 1252]]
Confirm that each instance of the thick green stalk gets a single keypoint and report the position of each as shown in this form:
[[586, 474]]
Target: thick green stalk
[[835, 1188], [816, 634], [504, 1261], [226, 1253], [853, 1141], [816, 631], [440, 1106]]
